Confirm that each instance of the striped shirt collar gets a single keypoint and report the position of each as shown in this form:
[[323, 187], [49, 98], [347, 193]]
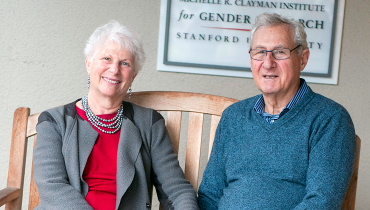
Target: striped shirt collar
[[259, 107]]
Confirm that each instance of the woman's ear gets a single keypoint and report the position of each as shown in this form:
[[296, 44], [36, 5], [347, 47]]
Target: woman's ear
[[133, 78], [88, 65]]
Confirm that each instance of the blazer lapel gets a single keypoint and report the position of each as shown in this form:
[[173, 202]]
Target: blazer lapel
[[128, 149], [87, 137]]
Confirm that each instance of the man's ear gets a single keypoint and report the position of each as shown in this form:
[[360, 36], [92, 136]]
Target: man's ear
[[304, 58]]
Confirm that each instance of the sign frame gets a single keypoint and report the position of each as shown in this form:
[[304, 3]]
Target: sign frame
[[164, 64]]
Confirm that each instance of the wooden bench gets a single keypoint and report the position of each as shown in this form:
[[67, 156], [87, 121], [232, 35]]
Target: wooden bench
[[174, 104]]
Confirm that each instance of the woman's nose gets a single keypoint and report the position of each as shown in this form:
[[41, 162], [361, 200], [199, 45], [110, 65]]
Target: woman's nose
[[115, 67]]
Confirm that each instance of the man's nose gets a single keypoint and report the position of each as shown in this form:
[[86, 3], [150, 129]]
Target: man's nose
[[269, 61]]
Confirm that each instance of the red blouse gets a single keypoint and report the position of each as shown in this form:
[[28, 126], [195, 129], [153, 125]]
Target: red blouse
[[101, 168]]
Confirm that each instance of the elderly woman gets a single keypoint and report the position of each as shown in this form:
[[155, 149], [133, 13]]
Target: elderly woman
[[101, 152]]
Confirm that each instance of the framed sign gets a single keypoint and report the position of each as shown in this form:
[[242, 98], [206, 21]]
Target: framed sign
[[213, 36]]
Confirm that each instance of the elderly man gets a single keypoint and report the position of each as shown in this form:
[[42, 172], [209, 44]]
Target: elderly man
[[288, 148]]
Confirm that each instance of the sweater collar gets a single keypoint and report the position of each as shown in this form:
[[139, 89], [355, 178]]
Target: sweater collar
[[259, 107]]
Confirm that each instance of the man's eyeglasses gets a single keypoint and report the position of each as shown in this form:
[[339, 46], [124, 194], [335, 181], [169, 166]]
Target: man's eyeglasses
[[278, 54]]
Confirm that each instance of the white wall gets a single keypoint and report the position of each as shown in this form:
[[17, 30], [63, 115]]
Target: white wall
[[42, 63]]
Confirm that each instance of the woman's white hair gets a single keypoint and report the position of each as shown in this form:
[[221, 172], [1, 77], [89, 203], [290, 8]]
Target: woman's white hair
[[273, 19], [122, 35]]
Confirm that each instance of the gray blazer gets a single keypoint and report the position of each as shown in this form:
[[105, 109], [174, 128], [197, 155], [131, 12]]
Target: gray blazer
[[145, 158]]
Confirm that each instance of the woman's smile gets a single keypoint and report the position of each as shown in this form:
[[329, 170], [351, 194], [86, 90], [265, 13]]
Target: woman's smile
[[111, 81]]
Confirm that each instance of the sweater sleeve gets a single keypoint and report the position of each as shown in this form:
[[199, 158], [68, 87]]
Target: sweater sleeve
[[331, 158], [214, 177], [51, 177], [173, 190]]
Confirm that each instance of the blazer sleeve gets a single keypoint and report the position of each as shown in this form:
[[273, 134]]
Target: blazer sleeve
[[50, 172], [173, 190]]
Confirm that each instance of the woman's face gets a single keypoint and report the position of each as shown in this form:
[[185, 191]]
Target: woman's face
[[111, 72]]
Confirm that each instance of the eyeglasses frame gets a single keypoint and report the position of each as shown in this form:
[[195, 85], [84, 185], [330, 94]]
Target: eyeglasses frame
[[273, 54]]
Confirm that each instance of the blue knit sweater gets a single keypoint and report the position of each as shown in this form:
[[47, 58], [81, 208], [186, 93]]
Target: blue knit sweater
[[304, 160]]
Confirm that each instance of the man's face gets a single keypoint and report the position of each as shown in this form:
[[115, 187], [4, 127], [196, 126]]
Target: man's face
[[277, 78]]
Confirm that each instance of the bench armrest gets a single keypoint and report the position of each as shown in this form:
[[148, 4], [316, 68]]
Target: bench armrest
[[8, 194]]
